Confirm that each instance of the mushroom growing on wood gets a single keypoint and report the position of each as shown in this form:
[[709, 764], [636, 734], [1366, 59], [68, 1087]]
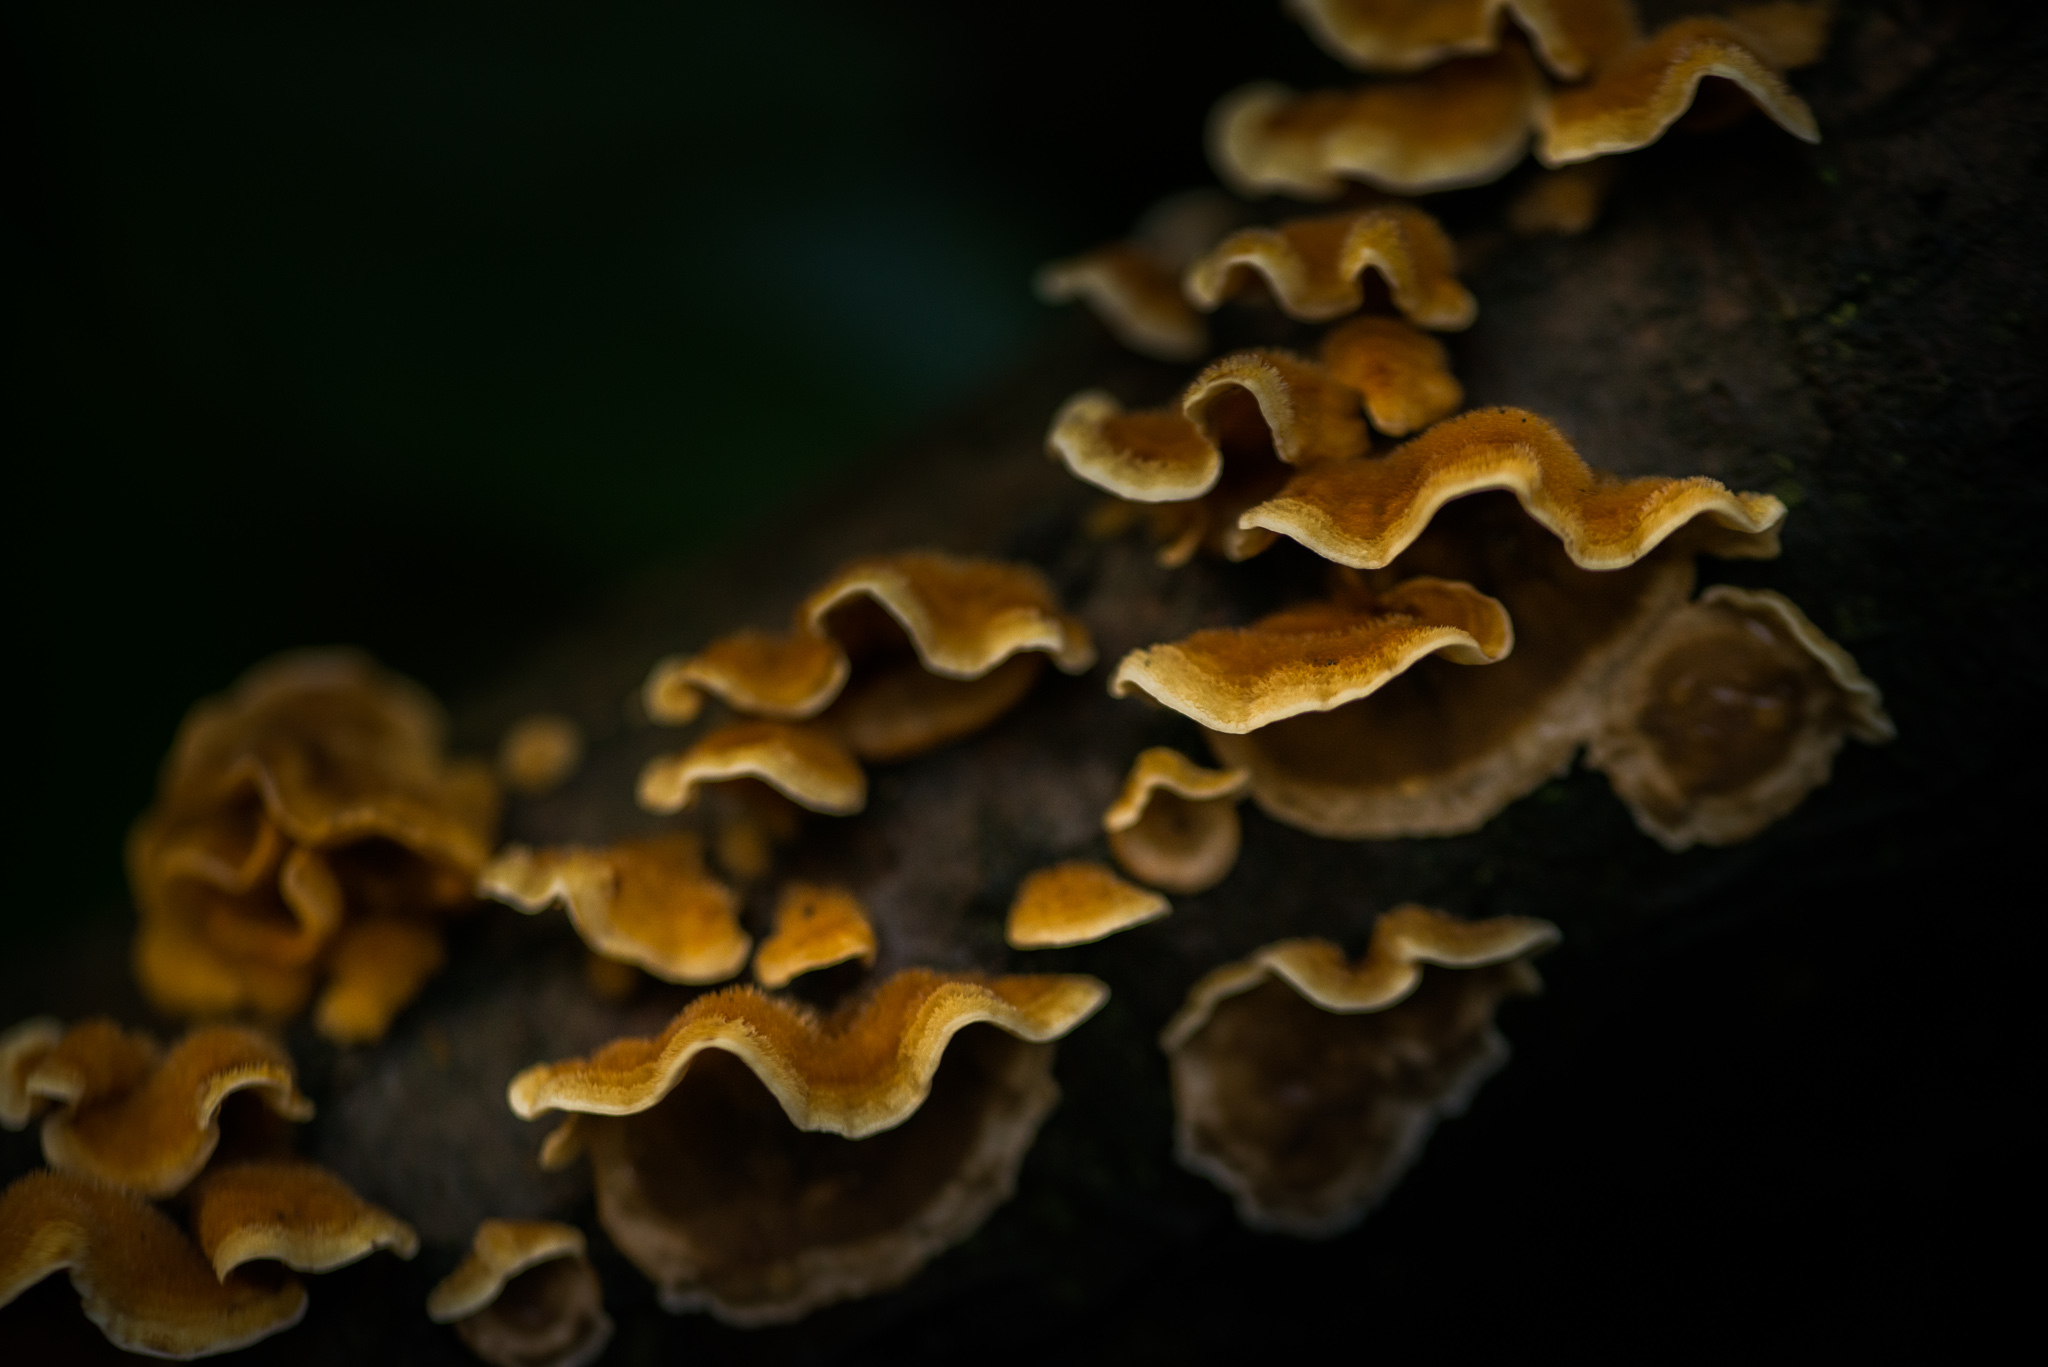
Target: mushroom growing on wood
[[1305, 1086], [313, 796], [649, 902], [525, 1296], [815, 927], [804, 763], [1175, 824], [1403, 374], [1729, 716], [1571, 36], [291, 1212], [1315, 267], [1076, 903], [758, 1161]]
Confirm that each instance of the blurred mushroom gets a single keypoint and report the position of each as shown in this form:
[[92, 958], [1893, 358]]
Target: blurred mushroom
[[1175, 824], [1404, 375], [1305, 1086], [1572, 36], [802, 762], [815, 927], [525, 1296], [539, 753], [21, 1048], [1314, 267], [1133, 286], [1729, 716], [291, 1212], [1077, 903]]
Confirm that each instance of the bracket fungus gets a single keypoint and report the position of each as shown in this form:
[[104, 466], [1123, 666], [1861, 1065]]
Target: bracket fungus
[[1174, 825], [1316, 656], [525, 1296], [314, 794], [1314, 267], [1076, 903], [291, 1212], [1729, 716], [1133, 286], [22, 1047], [1404, 375], [649, 903], [132, 1115], [1305, 1086], [1572, 36], [895, 655], [815, 927], [802, 762], [758, 1160]]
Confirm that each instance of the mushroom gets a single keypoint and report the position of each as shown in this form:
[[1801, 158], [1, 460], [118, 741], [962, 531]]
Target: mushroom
[[131, 1115], [1133, 286], [1729, 716], [894, 656], [1305, 1086], [1077, 903], [802, 762], [314, 794], [758, 1161], [539, 753], [1403, 374], [21, 1048], [525, 1296], [1564, 202], [1571, 36], [1175, 824], [647, 902], [138, 1277], [1314, 267], [815, 927], [291, 1212]]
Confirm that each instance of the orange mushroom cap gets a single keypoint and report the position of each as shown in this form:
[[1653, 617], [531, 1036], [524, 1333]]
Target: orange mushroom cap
[[1314, 267], [1174, 824], [21, 1049], [803, 763], [294, 1212], [856, 1073], [525, 1296], [539, 753], [815, 927], [1137, 298], [1404, 375], [1077, 903], [649, 903], [1572, 36], [500, 1251]]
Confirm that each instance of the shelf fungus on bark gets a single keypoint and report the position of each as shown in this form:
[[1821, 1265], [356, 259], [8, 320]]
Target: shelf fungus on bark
[[1076, 903], [1317, 656], [139, 1278], [759, 1160], [1704, 70], [118, 1109], [1729, 716], [291, 1212], [1305, 1086], [1315, 268], [1466, 122], [815, 927], [1133, 285], [895, 655], [1174, 825], [649, 903], [1404, 374], [313, 797], [525, 1296], [1571, 36], [802, 761]]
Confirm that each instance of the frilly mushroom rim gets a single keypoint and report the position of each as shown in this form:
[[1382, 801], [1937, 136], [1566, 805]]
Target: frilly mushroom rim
[[1137, 299], [499, 1251], [803, 763], [815, 927], [138, 1278], [1638, 96], [857, 1073], [963, 617], [1739, 777], [1076, 903], [1403, 940], [1363, 513], [153, 1130], [1174, 824], [21, 1049], [649, 903], [293, 1212], [1572, 36], [525, 1296], [1404, 375], [1316, 656], [1313, 267]]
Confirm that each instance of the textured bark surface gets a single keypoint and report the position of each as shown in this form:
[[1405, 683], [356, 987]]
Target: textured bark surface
[[1855, 327]]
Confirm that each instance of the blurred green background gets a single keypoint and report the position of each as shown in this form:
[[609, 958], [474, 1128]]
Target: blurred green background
[[418, 326]]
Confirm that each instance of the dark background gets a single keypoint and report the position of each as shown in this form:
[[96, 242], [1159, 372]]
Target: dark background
[[432, 332]]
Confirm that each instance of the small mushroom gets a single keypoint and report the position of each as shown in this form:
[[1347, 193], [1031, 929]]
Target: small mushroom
[[138, 1277], [525, 1296], [21, 1049], [815, 927], [1564, 202], [1572, 37], [649, 903], [1077, 903], [539, 753], [802, 762], [1175, 824], [291, 1212], [1305, 1086], [758, 1161], [1314, 267], [1729, 716], [1133, 286], [1404, 374]]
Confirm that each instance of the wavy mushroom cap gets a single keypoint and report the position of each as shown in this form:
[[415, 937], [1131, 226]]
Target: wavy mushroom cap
[[1316, 656], [1315, 267], [1076, 903], [22, 1048], [1404, 375], [1729, 716], [1572, 37], [1137, 298], [1174, 824], [291, 1212], [815, 927], [138, 1278], [803, 763], [1305, 1086], [525, 1296], [133, 1116], [650, 903]]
